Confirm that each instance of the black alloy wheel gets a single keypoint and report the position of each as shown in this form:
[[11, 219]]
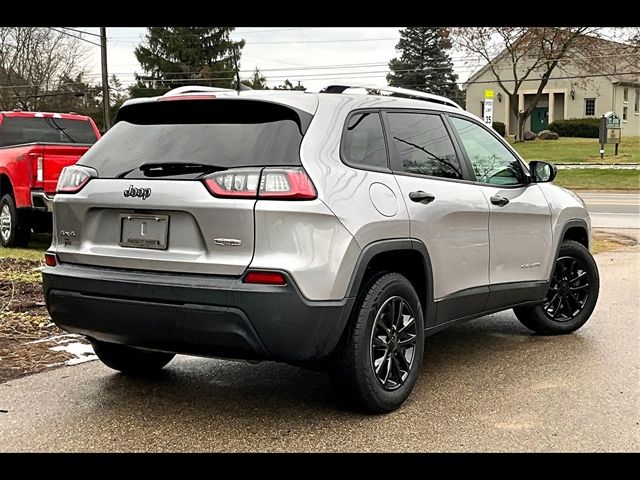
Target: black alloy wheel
[[393, 343], [568, 291]]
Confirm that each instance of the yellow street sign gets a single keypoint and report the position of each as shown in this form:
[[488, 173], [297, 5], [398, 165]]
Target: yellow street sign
[[488, 94]]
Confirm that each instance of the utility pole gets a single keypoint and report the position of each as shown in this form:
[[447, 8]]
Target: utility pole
[[105, 78], [235, 59]]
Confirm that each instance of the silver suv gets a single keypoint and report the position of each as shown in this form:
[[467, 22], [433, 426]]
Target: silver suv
[[332, 230]]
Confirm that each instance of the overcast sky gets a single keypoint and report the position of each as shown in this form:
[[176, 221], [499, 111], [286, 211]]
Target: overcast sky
[[358, 54]]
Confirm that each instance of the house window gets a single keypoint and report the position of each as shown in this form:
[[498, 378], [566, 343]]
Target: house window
[[589, 107], [636, 107], [624, 114], [625, 94]]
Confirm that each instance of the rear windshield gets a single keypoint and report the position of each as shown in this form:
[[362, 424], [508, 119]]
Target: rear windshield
[[20, 130], [220, 133]]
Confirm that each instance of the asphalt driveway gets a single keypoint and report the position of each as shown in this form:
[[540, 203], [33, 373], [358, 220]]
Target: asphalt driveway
[[488, 385]]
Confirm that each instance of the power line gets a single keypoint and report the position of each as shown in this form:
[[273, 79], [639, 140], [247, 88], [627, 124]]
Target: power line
[[82, 31], [566, 77], [350, 40], [74, 36]]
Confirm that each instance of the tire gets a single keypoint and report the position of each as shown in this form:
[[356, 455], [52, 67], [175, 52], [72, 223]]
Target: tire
[[15, 230], [130, 360], [352, 371], [568, 304]]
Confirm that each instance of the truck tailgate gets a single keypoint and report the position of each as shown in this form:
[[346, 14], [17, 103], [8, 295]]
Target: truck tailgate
[[56, 157]]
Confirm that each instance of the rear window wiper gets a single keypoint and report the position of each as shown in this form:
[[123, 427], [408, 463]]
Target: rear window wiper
[[167, 169], [51, 123]]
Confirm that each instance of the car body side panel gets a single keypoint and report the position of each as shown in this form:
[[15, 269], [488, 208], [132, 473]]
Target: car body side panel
[[520, 234], [345, 190], [454, 228], [308, 241], [565, 206]]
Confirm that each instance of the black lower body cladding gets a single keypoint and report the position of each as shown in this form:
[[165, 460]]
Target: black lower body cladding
[[197, 315]]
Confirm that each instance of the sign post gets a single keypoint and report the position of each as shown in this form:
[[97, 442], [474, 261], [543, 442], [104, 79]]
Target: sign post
[[610, 131], [488, 108]]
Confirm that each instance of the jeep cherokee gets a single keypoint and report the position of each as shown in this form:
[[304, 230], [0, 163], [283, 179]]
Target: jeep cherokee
[[332, 230]]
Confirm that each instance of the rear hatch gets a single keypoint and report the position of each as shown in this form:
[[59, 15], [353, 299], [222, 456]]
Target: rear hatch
[[150, 205]]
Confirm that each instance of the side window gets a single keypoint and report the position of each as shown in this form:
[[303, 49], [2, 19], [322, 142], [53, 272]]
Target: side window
[[492, 162], [423, 145], [364, 141]]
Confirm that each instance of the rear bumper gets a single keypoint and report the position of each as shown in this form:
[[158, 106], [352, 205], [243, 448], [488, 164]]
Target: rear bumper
[[197, 315], [41, 201]]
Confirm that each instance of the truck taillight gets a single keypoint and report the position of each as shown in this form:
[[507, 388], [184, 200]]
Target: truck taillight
[[74, 178], [271, 184], [38, 169]]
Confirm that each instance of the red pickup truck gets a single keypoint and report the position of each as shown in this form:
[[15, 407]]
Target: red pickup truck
[[34, 148]]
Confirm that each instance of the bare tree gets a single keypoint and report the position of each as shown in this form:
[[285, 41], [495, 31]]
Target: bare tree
[[35, 61], [535, 53]]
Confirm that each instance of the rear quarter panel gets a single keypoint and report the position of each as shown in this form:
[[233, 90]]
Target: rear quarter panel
[[16, 164]]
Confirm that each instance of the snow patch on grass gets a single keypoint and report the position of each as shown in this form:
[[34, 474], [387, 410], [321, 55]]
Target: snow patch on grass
[[83, 352]]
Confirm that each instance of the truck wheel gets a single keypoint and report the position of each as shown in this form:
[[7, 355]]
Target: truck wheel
[[130, 360], [15, 230], [379, 357], [572, 296]]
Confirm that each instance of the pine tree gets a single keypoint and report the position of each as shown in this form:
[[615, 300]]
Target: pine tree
[[175, 56], [423, 63], [287, 85], [256, 81]]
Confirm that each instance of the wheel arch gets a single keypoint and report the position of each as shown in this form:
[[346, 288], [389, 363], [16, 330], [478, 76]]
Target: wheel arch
[[408, 257], [5, 184], [575, 229]]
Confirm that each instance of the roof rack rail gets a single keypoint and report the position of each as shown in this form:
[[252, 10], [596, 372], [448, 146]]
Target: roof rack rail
[[195, 89], [428, 97]]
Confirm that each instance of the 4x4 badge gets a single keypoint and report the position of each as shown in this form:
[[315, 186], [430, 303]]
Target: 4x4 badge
[[142, 193]]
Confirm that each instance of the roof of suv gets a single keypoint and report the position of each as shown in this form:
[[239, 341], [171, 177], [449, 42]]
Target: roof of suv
[[305, 101]]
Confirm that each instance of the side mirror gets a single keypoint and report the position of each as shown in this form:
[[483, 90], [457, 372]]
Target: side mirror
[[542, 171]]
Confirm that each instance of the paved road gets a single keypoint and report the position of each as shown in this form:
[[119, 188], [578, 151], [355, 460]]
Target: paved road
[[488, 385], [613, 210]]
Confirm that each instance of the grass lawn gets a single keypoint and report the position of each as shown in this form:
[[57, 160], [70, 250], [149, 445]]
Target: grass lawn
[[598, 179], [34, 251], [569, 149]]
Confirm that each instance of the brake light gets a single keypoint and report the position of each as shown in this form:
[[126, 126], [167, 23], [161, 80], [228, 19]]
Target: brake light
[[50, 259], [286, 183], [73, 179], [40, 169], [37, 169], [265, 278], [270, 184]]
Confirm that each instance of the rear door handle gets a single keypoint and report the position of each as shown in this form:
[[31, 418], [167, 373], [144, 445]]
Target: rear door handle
[[422, 197], [500, 201]]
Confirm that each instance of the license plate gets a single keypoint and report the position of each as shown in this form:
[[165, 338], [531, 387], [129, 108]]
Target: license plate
[[144, 231]]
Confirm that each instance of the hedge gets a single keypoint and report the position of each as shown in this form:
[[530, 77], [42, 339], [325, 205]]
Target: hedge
[[499, 128], [576, 127]]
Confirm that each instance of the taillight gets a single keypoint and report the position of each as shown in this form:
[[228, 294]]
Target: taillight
[[37, 169], [40, 169], [234, 183], [272, 183], [286, 183], [51, 259], [265, 278], [73, 178]]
